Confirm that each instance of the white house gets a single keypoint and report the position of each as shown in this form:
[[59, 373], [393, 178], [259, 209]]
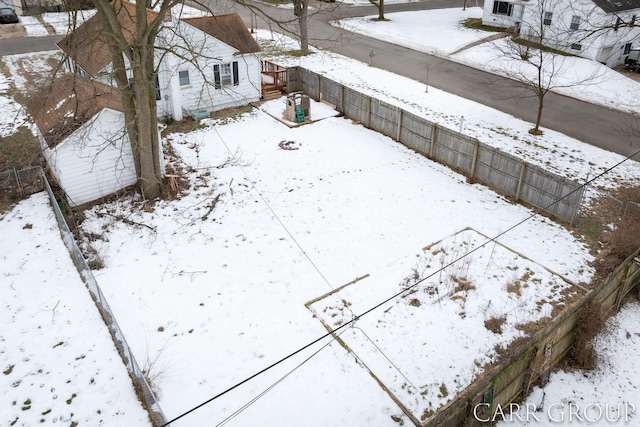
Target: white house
[[223, 69], [504, 14], [81, 131], [601, 30], [204, 64]]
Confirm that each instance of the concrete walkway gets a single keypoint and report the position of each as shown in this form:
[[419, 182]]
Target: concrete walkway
[[481, 41]]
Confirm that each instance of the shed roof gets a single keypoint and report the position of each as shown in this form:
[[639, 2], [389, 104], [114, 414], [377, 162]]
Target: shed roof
[[228, 28], [69, 102], [612, 6]]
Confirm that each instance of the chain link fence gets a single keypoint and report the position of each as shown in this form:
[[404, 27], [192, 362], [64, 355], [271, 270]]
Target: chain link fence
[[142, 387], [18, 184]]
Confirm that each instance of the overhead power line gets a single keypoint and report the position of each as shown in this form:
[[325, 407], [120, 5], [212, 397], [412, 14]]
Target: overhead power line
[[403, 291]]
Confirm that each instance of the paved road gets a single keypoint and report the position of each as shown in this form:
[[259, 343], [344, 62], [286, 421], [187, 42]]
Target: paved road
[[15, 45], [599, 126]]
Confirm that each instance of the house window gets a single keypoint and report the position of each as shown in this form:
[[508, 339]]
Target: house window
[[183, 76], [502, 8], [627, 48], [576, 46], [547, 18], [225, 75], [158, 94], [575, 23]]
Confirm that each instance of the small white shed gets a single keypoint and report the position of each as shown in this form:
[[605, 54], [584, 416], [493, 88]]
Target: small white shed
[[83, 138]]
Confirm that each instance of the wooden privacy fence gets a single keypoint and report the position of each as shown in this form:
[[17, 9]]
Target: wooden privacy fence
[[506, 173], [504, 382]]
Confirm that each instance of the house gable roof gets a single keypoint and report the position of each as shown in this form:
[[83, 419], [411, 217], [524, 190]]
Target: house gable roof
[[612, 6], [70, 101], [229, 29], [88, 45]]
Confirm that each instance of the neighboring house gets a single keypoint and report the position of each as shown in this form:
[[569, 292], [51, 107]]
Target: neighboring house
[[504, 14], [81, 132], [601, 30], [223, 69]]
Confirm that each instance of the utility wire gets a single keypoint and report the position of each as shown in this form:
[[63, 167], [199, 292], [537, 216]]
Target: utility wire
[[277, 217], [268, 389], [355, 318], [388, 359]]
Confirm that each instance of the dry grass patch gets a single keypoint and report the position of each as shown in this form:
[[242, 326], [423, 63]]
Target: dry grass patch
[[494, 324], [591, 321], [610, 226]]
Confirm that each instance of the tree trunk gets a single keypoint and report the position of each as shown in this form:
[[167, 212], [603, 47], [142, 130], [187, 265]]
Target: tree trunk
[[150, 177], [135, 59], [381, 10], [300, 8], [536, 129]]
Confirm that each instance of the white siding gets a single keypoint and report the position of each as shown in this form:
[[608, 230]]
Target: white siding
[[600, 45], [95, 161], [204, 51], [503, 21], [201, 94]]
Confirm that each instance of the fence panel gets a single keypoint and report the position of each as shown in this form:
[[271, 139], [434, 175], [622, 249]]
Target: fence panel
[[498, 169], [454, 150], [384, 118], [331, 92], [558, 196], [416, 133], [310, 83], [356, 106]]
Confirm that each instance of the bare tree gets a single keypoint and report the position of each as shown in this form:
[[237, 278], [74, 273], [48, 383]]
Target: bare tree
[[380, 5], [129, 31], [536, 69]]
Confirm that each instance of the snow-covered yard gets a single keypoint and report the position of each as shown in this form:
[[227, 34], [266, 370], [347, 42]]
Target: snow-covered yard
[[58, 362], [221, 292], [265, 247]]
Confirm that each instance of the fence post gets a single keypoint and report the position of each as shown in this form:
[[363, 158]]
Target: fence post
[[400, 111], [476, 148], [520, 180], [342, 99], [434, 136], [319, 93], [576, 208], [18, 183], [369, 113]]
